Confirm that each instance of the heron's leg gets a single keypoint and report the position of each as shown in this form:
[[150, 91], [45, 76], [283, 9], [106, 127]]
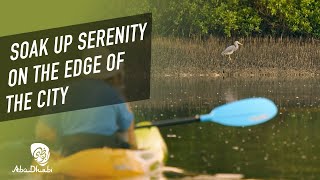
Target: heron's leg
[[229, 57]]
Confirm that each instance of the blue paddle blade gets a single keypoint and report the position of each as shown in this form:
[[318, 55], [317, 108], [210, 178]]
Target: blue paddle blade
[[246, 112]]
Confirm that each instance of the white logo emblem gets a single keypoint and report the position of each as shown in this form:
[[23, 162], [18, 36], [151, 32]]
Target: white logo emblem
[[40, 153]]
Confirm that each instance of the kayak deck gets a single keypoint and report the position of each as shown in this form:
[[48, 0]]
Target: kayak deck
[[113, 163]]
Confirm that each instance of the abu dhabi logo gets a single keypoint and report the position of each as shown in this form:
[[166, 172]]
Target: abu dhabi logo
[[40, 153]]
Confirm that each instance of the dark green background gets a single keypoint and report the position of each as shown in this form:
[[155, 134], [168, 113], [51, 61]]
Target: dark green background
[[26, 16]]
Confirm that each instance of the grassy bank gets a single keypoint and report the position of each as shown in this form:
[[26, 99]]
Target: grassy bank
[[257, 57]]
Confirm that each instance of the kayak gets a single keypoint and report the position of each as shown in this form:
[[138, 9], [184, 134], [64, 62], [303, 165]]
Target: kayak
[[115, 163]]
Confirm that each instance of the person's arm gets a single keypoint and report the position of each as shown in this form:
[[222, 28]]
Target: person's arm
[[44, 132], [131, 136], [126, 124]]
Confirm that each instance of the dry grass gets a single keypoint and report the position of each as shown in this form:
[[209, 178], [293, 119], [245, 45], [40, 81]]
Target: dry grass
[[267, 56]]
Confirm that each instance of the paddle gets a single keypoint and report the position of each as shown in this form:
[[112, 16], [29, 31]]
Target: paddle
[[245, 112]]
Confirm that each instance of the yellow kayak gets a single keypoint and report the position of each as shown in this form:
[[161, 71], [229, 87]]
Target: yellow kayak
[[115, 163]]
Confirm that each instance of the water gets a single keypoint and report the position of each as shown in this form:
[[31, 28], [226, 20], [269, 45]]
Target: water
[[286, 147]]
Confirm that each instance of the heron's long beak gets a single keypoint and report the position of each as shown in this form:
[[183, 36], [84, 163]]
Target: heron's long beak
[[240, 44]]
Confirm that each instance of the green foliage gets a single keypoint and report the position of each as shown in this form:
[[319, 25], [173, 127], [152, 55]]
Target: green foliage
[[235, 17], [299, 17]]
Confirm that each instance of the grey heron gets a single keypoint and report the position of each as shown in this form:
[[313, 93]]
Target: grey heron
[[229, 50]]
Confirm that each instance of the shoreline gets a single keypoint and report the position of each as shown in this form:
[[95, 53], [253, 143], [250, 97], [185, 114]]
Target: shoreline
[[240, 73], [262, 58]]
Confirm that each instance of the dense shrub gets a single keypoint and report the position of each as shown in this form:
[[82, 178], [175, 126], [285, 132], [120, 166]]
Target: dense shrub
[[235, 17]]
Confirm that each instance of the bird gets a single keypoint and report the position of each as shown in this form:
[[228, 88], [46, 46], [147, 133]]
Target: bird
[[229, 50]]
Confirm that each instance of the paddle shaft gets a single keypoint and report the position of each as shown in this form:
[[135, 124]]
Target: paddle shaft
[[171, 122], [242, 113]]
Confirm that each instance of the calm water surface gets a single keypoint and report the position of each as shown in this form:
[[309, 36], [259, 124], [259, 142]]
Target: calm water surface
[[288, 147]]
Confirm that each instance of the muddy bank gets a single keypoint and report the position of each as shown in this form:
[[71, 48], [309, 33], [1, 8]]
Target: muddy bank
[[241, 73], [263, 57]]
